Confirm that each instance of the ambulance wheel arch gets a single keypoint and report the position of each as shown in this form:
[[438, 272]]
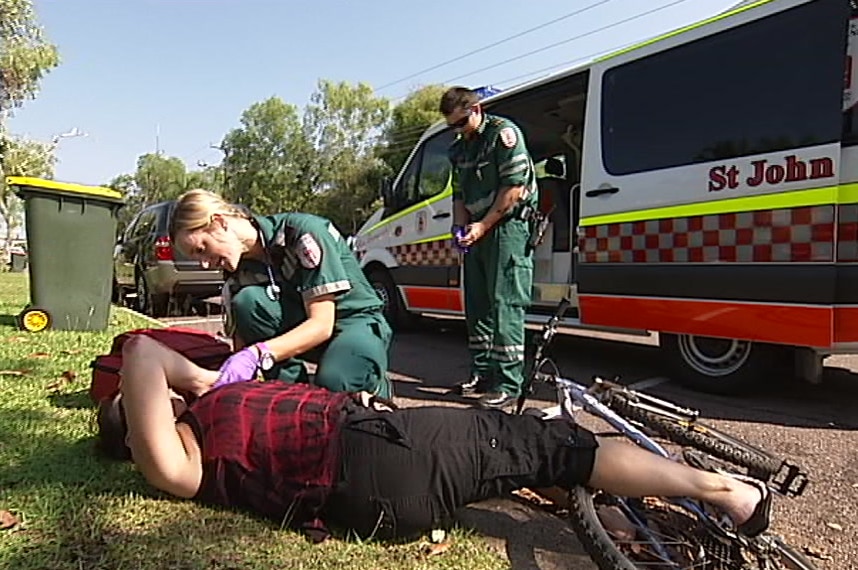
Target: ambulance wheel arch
[[725, 366], [394, 309]]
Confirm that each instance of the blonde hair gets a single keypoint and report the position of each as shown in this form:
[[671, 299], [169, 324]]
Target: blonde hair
[[194, 210]]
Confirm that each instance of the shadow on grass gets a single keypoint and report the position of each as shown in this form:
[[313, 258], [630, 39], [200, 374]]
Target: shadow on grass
[[100, 535], [9, 320], [74, 401], [37, 459]]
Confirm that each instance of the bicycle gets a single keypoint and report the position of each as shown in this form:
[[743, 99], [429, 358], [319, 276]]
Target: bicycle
[[677, 533]]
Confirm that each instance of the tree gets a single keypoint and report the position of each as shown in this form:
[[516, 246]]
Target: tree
[[127, 186], [267, 160], [21, 157], [210, 178], [159, 178], [25, 57], [410, 118], [343, 123]]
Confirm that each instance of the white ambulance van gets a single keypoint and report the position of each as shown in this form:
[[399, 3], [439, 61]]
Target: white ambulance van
[[705, 188]]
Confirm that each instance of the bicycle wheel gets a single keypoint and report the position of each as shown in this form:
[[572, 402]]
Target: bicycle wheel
[[665, 535], [760, 464]]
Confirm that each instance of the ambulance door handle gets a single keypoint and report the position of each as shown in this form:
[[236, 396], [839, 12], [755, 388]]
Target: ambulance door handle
[[601, 191], [440, 215]]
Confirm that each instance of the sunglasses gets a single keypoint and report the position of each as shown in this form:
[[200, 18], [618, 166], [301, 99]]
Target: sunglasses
[[461, 122]]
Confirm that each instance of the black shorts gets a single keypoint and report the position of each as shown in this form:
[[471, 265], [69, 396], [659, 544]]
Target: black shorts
[[405, 472]]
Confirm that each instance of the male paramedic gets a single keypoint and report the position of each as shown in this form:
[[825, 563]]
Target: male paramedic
[[494, 201]]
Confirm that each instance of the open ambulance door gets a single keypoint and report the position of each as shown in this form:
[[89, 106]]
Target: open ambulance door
[[711, 171]]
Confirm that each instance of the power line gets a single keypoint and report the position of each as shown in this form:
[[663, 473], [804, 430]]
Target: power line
[[495, 44], [564, 64], [566, 41]]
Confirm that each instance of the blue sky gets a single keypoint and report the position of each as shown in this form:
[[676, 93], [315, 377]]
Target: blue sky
[[188, 68]]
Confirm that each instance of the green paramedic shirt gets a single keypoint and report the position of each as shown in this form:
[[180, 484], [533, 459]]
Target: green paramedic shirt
[[496, 157], [311, 256]]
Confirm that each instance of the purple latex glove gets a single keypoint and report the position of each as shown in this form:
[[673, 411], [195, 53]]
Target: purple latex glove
[[458, 233], [240, 367]]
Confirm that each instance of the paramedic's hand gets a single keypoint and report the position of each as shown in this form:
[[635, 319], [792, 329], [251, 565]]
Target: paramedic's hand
[[240, 367], [474, 233]]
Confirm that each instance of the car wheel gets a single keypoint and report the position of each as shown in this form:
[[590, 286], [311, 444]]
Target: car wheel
[[148, 303]]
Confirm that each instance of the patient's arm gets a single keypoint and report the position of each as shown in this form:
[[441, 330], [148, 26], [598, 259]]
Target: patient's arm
[[168, 459]]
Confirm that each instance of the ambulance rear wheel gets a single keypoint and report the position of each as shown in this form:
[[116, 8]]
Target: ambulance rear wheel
[[722, 366]]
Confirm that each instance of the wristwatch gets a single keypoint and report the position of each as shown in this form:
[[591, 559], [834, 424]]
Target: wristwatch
[[266, 358]]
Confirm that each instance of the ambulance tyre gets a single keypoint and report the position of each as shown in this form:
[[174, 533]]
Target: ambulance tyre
[[394, 308], [722, 366]]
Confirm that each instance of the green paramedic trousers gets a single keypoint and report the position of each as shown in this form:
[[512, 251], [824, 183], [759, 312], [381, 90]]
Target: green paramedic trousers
[[498, 279], [355, 358]]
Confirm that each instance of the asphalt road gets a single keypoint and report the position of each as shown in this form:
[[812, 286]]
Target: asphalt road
[[815, 426]]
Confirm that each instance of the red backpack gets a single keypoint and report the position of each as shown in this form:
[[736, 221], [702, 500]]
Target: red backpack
[[199, 347]]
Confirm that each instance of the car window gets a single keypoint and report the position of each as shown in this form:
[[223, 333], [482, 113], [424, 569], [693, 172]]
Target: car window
[[164, 212], [132, 227], [146, 223]]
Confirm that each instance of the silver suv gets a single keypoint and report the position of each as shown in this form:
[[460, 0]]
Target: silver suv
[[147, 267]]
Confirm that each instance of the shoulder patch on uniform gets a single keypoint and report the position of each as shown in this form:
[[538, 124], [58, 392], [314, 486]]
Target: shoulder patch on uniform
[[309, 251], [508, 137]]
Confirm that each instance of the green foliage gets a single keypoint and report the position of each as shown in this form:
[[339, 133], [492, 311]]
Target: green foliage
[[329, 159], [127, 186], [25, 55], [160, 178], [267, 158], [410, 118], [21, 157], [343, 123]]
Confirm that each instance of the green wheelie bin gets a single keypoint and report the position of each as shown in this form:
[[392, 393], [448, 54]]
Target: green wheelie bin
[[71, 231]]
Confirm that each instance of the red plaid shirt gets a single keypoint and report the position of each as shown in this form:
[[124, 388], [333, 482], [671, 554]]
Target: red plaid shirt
[[271, 448]]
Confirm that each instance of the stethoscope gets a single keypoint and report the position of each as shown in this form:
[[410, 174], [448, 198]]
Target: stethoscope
[[272, 290]]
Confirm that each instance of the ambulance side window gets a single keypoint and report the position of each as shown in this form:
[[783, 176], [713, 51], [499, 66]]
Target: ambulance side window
[[764, 86], [435, 168], [405, 191], [427, 174]]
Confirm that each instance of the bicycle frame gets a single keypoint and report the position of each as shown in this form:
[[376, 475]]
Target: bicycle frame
[[573, 397]]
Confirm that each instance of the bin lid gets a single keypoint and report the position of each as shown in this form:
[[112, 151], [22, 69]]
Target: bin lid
[[102, 192]]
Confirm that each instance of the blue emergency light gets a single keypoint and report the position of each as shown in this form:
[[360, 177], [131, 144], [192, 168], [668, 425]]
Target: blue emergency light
[[486, 91]]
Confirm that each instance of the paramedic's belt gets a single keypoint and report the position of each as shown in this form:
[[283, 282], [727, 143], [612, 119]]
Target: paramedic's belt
[[538, 220]]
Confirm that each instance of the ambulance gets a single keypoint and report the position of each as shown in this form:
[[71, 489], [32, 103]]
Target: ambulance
[[702, 187]]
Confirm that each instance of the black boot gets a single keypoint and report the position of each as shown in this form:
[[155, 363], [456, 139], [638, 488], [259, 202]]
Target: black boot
[[496, 400], [476, 384]]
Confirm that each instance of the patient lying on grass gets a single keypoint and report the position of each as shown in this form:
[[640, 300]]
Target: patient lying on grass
[[314, 459]]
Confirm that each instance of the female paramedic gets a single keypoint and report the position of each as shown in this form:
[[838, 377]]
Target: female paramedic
[[293, 288]]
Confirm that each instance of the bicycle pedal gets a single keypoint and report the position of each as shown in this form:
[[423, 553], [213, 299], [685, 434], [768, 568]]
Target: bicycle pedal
[[790, 480]]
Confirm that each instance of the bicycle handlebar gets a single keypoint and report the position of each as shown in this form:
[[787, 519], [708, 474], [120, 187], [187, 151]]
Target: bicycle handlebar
[[561, 309]]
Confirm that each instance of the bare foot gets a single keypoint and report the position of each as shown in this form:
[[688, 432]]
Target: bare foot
[[741, 500]]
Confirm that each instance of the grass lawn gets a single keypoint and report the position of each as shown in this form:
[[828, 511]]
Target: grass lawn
[[63, 508]]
